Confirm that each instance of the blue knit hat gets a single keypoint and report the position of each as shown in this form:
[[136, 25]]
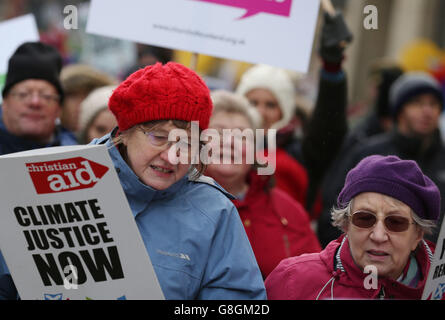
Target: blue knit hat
[[391, 176], [412, 84]]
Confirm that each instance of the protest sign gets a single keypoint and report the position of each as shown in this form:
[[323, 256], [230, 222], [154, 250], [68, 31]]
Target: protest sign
[[109, 55], [275, 32], [66, 229], [435, 284], [24, 29]]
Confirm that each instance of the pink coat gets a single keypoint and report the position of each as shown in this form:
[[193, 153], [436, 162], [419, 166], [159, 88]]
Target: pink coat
[[312, 276]]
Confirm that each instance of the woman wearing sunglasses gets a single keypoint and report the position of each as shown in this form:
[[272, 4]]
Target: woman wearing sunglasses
[[384, 209]]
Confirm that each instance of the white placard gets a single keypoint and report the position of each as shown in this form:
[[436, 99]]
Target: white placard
[[66, 229], [275, 32], [13, 33], [435, 284]]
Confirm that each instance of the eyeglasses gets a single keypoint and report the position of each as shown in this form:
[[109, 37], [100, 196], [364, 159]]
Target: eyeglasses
[[26, 96], [393, 223]]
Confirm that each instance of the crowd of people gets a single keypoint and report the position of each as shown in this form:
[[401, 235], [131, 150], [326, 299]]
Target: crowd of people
[[338, 201]]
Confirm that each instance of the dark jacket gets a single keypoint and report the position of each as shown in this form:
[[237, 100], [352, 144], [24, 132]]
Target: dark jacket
[[8, 290], [326, 130], [431, 161], [370, 126], [323, 133], [10, 143]]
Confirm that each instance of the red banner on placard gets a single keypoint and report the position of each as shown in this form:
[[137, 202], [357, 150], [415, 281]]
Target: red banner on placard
[[65, 175]]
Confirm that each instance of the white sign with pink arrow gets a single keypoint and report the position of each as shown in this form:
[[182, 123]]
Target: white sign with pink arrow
[[275, 32]]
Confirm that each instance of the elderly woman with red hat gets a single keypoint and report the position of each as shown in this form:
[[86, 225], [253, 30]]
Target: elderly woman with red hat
[[191, 230], [384, 209]]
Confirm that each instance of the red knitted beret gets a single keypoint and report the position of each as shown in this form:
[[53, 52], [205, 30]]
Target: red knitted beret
[[161, 92]]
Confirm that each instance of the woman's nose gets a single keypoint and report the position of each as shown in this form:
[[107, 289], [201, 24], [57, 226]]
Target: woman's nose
[[379, 233], [169, 154]]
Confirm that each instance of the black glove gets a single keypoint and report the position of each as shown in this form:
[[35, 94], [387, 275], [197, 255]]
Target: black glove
[[334, 35]]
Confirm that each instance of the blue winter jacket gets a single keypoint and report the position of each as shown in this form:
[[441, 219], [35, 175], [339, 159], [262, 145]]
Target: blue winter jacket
[[193, 235]]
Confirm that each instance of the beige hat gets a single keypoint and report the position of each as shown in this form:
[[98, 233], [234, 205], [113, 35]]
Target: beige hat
[[82, 78], [96, 101], [278, 82]]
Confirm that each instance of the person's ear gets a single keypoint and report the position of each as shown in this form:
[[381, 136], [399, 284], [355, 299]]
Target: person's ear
[[346, 226], [418, 237], [126, 135], [59, 112]]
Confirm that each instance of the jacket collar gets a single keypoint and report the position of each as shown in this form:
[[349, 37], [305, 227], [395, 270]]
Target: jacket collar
[[338, 259], [257, 185]]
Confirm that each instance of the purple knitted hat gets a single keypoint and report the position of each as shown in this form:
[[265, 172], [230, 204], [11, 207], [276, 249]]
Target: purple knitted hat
[[391, 176]]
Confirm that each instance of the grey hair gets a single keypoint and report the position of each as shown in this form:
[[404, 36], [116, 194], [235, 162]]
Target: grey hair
[[426, 225], [340, 217]]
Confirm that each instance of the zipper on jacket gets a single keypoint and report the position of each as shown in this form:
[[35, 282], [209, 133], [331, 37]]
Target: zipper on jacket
[[382, 293]]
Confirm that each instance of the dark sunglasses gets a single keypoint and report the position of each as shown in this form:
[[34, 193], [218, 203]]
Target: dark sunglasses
[[393, 223]]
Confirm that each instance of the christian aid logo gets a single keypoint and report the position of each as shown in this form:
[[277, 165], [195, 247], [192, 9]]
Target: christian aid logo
[[65, 175]]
